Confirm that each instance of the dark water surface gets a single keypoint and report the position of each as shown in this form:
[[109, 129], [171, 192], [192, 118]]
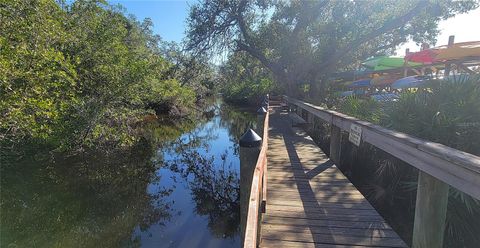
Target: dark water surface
[[180, 191]]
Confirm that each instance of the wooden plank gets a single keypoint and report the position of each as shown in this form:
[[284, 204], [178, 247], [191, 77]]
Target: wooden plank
[[264, 193], [307, 171], [325, 223], [300, 181], [311, 203], [429, 225], [314, 187], [309, 200], [369, 233], [313, 210], [324, 216], [341, 197], [340, 239], [351, 206], [460, 177], [290, 244], [335, 144], [296, 119], [326, 192], [303, 178], [295, 171], [254, 205], [456, 168]]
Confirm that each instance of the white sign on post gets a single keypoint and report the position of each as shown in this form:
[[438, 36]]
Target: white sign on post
[[355, 135]]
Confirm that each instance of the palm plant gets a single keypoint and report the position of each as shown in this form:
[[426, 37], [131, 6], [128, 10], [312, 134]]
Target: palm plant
[[448, 112]]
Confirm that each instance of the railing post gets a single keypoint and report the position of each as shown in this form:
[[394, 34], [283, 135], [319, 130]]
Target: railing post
[[430, 212], [310, 120], [335, 143], [250, 144], [451, 41], [261, 113]]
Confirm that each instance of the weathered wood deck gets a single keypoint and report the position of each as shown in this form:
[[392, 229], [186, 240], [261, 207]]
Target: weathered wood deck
[[310, 203]]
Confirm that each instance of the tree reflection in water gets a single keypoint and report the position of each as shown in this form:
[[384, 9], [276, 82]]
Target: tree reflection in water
[[215, 190], [95, 199], [102, 199], [213, 178]]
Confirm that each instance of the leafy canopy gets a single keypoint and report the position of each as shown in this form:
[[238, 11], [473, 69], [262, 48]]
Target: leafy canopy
[[302, 41]]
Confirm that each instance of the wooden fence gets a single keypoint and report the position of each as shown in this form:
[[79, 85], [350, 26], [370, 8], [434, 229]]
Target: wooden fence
[[439, 165], [258, 193]]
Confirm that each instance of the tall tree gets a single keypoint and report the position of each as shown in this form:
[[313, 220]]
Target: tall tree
[[80, 72], [302, 41]]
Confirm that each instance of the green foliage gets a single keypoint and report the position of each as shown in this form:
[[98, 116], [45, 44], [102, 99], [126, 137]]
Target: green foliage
[[449, 114], [304, 41], [196, 72], [247, 91], [365, 109], [38, 82], [244, 79], [73, 74]]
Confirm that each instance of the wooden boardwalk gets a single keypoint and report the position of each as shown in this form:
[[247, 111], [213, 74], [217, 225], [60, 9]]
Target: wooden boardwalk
[[310, 203]]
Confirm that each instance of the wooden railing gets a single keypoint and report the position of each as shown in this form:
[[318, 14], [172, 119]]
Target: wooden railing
[[439, 165], [258, 193]]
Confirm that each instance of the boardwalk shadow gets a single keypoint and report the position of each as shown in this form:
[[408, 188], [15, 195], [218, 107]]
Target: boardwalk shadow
[[319, 169], [308, 191], [330, 211]]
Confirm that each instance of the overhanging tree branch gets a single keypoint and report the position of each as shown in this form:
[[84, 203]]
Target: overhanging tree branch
[[390, 25]]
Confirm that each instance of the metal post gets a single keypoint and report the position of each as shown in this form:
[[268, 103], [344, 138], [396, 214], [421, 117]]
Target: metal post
[[250, 145]]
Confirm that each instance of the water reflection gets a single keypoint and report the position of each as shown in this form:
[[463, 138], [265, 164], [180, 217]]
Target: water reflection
[[204, 163], [177, 188], [79, 202]]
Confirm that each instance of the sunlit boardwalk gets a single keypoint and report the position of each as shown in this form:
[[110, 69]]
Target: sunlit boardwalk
[[310, 202]]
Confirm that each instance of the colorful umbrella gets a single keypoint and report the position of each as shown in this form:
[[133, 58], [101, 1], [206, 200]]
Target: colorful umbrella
[[410, 82]]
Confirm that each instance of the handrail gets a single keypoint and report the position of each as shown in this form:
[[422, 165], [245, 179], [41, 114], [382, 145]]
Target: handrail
[[257, 191], [454, 167]]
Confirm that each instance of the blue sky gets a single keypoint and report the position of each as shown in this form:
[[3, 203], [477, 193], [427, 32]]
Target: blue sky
[[168, 16]]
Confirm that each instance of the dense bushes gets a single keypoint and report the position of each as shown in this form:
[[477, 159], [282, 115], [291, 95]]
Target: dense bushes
[[71, 74], [244, 79], [448, 113]]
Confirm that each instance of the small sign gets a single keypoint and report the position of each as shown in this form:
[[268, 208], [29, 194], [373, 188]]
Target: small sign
[[355, 135]]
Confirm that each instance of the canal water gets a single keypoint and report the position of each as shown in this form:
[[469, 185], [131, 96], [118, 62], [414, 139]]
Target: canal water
[[183, 190]]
